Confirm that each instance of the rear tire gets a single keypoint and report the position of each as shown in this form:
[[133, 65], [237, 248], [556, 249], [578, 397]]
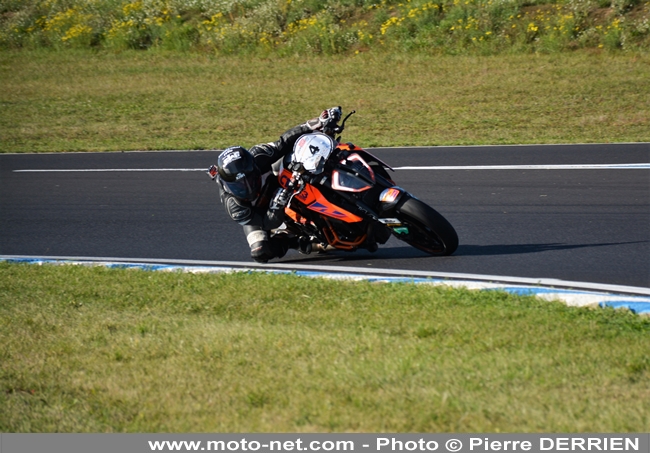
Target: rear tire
[[427, 229]]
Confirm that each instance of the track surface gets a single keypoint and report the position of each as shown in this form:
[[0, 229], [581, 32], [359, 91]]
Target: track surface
[[581, 225]]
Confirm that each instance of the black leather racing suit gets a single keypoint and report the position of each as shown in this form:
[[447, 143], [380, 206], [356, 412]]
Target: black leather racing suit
[[255, 217]]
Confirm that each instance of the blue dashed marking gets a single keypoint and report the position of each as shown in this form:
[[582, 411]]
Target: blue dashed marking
[[634, 307], [636, 304]]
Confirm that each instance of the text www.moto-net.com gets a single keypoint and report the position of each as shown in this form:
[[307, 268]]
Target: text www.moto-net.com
[[578, 443], [289, 445]]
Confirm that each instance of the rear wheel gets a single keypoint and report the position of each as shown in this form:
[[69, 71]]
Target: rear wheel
[[426, 229]]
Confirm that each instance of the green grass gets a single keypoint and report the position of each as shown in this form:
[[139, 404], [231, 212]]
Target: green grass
[[83, 101], [90, 349]]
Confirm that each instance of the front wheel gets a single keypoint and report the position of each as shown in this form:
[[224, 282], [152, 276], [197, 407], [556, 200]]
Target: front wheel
[[426, 229]]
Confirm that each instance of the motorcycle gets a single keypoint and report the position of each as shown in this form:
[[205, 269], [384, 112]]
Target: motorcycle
[[341, 197]]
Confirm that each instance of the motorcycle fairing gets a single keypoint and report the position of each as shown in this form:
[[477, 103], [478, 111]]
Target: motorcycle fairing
[[348, 182], [311, 197], [370, 156]]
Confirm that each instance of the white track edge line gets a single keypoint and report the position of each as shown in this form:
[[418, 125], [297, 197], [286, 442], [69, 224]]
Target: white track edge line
[[100, 170], [639, 166], [433, 147], [535, 282]]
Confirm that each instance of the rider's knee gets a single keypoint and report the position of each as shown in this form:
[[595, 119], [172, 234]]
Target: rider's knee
[[261, 252], [258, 241]]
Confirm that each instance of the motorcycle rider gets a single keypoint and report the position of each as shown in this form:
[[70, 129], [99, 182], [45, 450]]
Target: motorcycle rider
[[247, 185]]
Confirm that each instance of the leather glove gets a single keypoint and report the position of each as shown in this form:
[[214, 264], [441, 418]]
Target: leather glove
[[330, 117], [212, 171], [280, 200]]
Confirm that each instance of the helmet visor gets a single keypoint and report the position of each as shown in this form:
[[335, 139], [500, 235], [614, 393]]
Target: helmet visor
[[245, 186]]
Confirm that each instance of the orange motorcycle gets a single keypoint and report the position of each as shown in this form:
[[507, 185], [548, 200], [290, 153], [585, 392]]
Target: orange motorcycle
[[342, 197]]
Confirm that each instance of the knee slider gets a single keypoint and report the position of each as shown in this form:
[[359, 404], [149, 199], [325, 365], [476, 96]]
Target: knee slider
[[261, 252], [258, 241]]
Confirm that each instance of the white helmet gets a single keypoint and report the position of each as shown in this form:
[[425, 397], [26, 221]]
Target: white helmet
[[312, 151]]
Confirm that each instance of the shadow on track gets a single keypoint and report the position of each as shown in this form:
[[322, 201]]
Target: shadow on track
[[406, 252], [393, 253], [518, 249]]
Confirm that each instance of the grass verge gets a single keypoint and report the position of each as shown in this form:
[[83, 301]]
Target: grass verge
[[83, 101], [91, 349]]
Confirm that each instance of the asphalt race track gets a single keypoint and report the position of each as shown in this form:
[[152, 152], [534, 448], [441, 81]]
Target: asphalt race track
[[588, 224]]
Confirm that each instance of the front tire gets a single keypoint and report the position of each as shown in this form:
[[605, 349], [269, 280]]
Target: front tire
[[427, 229]]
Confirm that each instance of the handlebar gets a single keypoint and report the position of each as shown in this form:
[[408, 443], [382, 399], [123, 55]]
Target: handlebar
[[296, 183], [339, 129]]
